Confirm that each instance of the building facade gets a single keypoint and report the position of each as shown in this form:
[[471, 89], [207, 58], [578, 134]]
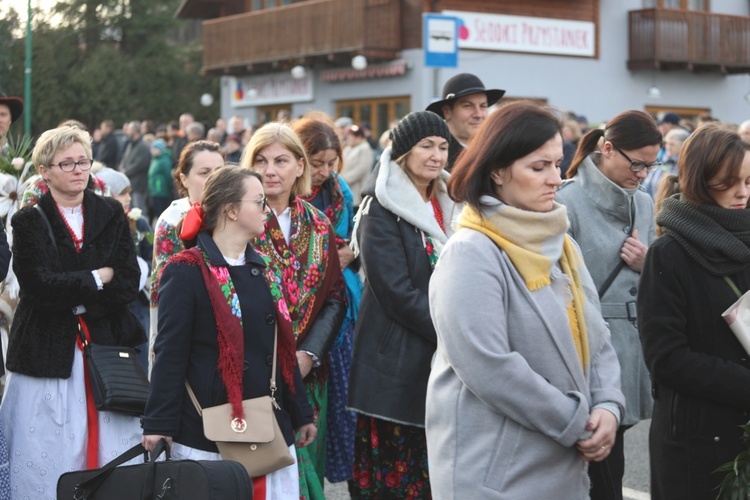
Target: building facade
[[594, 57]]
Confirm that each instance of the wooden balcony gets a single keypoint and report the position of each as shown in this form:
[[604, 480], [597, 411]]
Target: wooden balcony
[[697, 41], [316, 33]]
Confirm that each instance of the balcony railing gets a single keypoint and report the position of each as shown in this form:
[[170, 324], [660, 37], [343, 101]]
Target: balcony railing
[[693, 40], [316, 31]]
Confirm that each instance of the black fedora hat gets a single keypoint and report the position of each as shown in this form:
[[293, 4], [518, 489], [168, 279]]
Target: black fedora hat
[[461, 85], [14, 103]]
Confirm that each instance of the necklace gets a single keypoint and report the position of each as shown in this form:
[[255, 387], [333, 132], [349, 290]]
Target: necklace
[[78, 242], [438, 213]]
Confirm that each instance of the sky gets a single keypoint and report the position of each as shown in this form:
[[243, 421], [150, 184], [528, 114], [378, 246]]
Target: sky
[[21, 6]]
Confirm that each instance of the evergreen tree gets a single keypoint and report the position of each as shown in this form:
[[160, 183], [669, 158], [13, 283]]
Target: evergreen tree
[[105, 59]]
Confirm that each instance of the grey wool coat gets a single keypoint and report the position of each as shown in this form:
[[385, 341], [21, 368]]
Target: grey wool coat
[[599, 215], [507, 398]]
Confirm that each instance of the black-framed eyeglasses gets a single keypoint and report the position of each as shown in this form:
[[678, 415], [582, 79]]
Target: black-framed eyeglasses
[[70, 165], [262, 203], [637, 166]]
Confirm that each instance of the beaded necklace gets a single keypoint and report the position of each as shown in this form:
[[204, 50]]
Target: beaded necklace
[[78, 242], [438, 213]]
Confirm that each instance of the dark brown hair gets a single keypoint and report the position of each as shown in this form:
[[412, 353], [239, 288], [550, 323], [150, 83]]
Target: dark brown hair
[[315, 130], [188, 156], [512, 132], [711, 152], [224, 187], [628, 131]]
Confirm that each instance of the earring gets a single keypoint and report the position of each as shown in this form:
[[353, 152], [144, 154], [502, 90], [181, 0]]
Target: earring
[[235, 218]]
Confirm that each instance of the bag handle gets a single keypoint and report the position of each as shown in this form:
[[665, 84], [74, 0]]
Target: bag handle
[[87, 488], [272, 381], [732, 286]]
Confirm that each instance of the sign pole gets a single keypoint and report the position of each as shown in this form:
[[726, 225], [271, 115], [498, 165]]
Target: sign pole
[[27, 77]]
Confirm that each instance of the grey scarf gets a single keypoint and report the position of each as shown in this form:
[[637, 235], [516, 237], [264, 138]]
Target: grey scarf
[[718, 239]]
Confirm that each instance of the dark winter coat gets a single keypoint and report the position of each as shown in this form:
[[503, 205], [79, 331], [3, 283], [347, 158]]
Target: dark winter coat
[[53, 281], [109, 151], [187, 348], [701, 372], [394, 338], [454, 149]]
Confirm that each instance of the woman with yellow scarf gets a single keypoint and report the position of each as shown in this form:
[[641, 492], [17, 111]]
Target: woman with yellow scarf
[[525, 386]]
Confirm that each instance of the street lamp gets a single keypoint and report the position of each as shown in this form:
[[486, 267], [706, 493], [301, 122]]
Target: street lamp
[[298, 72], [359, 62], [27, 77]]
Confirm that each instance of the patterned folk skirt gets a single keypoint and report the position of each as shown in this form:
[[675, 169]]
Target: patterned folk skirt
[[390, 461]]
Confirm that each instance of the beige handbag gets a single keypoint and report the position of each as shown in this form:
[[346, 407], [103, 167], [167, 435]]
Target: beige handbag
[[255, 441]]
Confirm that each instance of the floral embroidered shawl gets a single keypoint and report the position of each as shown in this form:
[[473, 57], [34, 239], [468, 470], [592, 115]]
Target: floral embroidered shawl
[[306, 271]]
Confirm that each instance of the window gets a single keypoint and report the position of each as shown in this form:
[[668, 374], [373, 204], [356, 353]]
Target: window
[[678, 4], [690, 114], [266, 4], [379, 112], [268, 113]]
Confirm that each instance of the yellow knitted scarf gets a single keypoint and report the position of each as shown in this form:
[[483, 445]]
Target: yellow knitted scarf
[[534, 242]]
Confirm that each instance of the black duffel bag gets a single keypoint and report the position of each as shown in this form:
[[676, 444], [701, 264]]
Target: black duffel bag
[[180, 479]]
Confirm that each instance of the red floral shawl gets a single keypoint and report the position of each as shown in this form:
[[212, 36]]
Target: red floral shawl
[[307, 270]]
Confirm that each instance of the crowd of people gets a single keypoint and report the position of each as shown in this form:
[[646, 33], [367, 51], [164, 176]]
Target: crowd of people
[[479, 305]]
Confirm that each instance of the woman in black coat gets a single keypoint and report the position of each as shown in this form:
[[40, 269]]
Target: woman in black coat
[[77, 272], [700, 371], [403, 222], [193, 331]]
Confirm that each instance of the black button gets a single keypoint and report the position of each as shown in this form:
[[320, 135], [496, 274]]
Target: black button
[[247, 365], [270, 319], [626, 230], [633, 291], [254, 271], [269, 360]]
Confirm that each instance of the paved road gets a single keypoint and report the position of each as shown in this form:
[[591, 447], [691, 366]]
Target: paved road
[[635, 483]]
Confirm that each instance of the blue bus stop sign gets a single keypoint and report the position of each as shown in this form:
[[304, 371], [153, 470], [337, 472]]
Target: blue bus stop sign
[[440, 40]]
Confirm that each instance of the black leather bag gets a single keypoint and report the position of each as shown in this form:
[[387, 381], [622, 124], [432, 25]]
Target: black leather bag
[[118, 381], [181, 479]]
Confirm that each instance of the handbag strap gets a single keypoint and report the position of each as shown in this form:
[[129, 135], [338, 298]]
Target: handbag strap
[[732, 286], [272, 381], [49, 226], [611, 278]]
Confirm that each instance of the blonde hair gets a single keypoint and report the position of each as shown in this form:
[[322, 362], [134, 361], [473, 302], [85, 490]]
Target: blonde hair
[[274, 132], [59, 139]]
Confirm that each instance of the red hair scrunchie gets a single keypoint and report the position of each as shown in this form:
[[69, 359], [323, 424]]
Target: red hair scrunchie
[[193, 222]]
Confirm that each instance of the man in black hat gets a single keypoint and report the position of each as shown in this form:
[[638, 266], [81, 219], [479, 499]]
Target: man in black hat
[[10, 111], [464, 108]]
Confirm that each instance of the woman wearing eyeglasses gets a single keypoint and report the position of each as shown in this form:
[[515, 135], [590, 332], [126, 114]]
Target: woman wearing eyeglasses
[[612, 219], [77, 272], [216, 309]]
